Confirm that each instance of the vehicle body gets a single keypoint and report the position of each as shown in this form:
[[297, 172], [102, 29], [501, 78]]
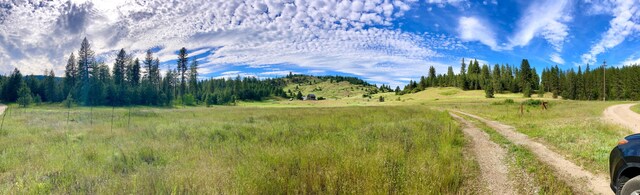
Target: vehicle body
[[624, 166]]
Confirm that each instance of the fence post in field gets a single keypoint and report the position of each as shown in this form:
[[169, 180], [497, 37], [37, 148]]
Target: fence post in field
[[3, 116]]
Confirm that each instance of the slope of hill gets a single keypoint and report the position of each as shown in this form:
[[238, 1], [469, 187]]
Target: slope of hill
[[329, 87]]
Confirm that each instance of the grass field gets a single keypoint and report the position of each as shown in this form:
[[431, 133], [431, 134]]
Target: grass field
[[406, 144], [237, 150]]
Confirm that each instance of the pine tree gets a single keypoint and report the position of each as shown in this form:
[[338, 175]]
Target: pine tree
[[24, 95], [148, 66], [526, 78], [182, 69], [10, 88], [488, 90], [119, 68], [451, 77], [85, 61], [70, 75], [462, 83], [193, 77], [299, 95], [496, 79], [431, 82], [50, 87], [134, 73]]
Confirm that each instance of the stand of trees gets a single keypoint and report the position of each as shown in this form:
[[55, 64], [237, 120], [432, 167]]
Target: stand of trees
[[621, 82], [132, 82], [502, 78]]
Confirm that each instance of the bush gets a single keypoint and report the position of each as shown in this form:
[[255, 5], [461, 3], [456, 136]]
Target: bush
[[189, 100], [532, 102]]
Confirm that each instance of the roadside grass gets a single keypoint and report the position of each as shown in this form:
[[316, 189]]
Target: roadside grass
[[522, 161], [636, 108], [233, 150], [572, 128]]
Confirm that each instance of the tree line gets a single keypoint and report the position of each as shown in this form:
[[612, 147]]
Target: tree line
[[89, 82], [621, 82], [472, 76]]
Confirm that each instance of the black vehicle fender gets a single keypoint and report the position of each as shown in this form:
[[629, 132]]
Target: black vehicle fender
[[627, 170]]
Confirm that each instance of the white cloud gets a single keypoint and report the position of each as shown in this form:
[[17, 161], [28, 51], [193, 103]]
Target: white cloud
[[345, 36], [472, 29], [545, 18], [631, 60], [624, 23], [555, 57]]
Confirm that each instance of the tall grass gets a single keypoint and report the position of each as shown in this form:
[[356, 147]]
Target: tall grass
[[238, 150]]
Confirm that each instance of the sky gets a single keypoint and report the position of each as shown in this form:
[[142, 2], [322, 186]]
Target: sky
[[381, 41]]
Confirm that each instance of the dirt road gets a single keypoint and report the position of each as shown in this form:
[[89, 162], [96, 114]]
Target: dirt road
[[2, 108], [581, 181], [490, 157], [621, 114]]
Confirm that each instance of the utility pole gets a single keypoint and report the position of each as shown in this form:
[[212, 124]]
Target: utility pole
[[604, 80]]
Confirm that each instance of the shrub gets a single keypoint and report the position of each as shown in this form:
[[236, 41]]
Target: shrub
[[189, 100], [532, 102]]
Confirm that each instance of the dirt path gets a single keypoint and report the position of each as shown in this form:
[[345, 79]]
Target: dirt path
[[490, 157], [623, 115], [582, 181]]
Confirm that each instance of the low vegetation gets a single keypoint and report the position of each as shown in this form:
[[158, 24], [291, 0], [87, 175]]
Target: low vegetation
[[238, 150]]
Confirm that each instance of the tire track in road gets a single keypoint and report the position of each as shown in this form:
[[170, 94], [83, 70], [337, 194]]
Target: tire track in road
[[581, 181], [490, 156]]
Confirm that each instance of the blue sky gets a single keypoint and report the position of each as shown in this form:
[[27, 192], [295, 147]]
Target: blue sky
[[381, 41]]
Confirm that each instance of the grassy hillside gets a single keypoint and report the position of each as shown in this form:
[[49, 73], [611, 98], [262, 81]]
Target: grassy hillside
[[327, 87], [233, 150]]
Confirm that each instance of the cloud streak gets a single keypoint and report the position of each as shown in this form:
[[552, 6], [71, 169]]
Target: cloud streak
[[624, 23]]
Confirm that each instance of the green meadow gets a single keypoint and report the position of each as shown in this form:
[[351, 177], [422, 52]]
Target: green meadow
[[233, 150]]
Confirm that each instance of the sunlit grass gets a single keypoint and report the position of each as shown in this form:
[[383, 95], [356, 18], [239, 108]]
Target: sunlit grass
[[236, 150]]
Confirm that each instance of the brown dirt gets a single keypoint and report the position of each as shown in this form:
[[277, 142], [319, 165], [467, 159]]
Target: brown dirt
[[490, 156], [581, 181], [623, 115]]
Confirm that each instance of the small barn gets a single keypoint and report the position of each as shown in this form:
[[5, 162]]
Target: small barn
[[310, 97]]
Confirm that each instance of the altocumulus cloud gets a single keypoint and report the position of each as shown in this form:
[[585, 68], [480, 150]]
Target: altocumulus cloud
[[352, 37]]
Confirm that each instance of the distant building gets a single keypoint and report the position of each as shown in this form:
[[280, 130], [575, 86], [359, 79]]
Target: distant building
[[310, 97]]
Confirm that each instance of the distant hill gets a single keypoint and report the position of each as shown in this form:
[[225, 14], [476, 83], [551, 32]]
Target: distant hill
[[329, 87]]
